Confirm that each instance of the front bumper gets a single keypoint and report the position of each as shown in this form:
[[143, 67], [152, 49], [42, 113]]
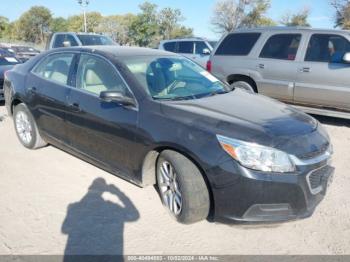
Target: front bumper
[[241, 194]]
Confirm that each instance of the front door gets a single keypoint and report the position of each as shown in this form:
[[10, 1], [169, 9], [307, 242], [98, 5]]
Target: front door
[[321, 82], [277, 66], [101, 130]]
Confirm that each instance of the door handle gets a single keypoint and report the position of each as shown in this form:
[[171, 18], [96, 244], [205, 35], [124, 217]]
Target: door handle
[[261, 66], [75, 107], [32, 89], [305, 70]]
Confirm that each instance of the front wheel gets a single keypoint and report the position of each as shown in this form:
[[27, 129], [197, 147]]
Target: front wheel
[[26, 128], [243, 85], [182, 188]]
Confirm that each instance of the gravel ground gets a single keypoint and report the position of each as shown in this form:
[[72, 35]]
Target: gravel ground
[[51, 201]]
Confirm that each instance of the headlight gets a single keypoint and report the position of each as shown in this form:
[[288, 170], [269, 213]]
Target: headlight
[[257, 157]]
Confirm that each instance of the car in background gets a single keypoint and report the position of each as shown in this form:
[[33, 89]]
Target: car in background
[[157, 118], [197, 49], [69, 39], [24, 53], [7, 62], [306, 67]]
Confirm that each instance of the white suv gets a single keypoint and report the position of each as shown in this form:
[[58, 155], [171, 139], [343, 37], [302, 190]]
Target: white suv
[[195, 48]]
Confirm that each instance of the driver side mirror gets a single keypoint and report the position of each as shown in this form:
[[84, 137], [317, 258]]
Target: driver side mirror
[[346, 58], [66, 44], [117, 97], [206, 51]]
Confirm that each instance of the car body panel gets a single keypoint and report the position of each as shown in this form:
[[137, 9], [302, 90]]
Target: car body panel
[[119, 138]]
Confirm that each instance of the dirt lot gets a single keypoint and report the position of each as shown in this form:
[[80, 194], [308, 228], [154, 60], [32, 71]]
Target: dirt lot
[[50, 201]]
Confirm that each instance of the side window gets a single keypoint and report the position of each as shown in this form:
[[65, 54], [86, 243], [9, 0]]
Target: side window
[[239, 44], [186, 47], [170, 46], [281, 46], [55, 67], [322, 47], [200, 46], [64, 40], [96, 75]]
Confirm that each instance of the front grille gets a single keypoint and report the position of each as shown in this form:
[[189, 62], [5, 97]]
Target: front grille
[[316, 179]]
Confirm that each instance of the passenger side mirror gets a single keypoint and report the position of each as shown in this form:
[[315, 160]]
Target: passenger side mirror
[[340, 58], [206, 51], [118, 97], [346, 58], [66, 44]]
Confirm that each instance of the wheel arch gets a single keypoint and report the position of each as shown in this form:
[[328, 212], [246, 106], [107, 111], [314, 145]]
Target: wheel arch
[[148, 171], [241, 77]]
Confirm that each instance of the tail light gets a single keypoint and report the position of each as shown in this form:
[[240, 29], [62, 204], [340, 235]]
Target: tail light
[[209, 66]]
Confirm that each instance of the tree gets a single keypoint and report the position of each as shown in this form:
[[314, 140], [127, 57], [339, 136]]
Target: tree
[[117, 27], [256, 16], [168, 20], [4, 24], [76, 22], [34, 24], [145, 28], [342, 18], [59, 24], [231, 14], [298, 19]]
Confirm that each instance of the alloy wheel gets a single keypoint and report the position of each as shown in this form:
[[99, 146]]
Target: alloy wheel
[[23, 127]]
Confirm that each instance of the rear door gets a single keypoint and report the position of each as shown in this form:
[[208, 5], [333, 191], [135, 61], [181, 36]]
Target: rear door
[[321, 82], [277, 65], [48, 86], [101, 130]]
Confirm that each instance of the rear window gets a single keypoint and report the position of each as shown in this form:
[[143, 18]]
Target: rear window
[[8, 61], [186, 47], [239, 44], [170, 46], [88, 40], [281, 46]]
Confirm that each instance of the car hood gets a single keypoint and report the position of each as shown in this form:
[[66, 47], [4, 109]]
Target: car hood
[[248, 117], [5, 68]]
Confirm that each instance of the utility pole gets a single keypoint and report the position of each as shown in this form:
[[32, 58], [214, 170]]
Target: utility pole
[[84, 4]]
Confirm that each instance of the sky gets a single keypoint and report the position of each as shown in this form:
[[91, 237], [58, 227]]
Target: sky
[[197, 12]]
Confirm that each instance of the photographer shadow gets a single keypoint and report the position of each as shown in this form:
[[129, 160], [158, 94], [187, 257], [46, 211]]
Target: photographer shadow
[[95, 226]]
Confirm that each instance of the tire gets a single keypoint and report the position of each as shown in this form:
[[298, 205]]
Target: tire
[[26, 128], [188, 180], [245, 85]]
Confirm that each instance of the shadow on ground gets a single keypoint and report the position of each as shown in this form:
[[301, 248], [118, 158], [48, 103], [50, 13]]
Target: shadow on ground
[[95, 226], [333, 121]]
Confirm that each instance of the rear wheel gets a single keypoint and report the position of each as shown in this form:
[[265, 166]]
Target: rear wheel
[[182, 188], [26, 128]]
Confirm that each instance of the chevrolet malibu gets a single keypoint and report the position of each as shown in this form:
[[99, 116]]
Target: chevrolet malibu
[[156, 118]]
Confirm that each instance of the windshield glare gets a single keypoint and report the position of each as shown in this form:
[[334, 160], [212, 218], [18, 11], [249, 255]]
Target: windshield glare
[[174, 78], [87, 40]]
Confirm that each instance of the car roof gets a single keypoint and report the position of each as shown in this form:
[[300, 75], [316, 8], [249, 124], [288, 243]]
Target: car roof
[[118, 51], [187, 39], [290, 28]]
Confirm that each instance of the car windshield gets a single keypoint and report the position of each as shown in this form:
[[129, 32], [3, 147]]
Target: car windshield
[[87, 40], [174, 78], [8, 61]]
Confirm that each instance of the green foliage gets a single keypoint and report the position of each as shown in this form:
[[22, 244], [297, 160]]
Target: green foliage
[[256, 16], [342, 18], [76, 22], [297, 19], [146, 28], [59, 24], [230, 14], [33, 24]]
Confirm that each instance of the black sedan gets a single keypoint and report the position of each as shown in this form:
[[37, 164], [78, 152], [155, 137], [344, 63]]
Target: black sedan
[[156, 118], [7, 62]]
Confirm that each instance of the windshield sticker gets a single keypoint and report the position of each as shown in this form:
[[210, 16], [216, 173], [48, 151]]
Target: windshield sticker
[[209, 77], [11, 59]]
